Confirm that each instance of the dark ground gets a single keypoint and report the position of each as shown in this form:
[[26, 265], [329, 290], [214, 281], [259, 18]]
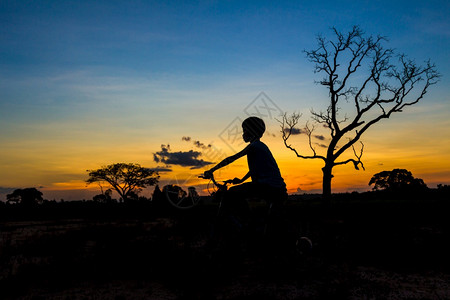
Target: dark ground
[[366, 246]]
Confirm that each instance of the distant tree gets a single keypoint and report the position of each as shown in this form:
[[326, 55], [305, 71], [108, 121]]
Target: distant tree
[[27, 196], [174, 190], [397, 179], [365, 85], [157, 193], [127, 179], [105, 197], [443, 187], [159, 200], [133, 196]]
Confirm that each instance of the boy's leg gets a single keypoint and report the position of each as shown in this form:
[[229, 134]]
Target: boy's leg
[[277, 233], [235, 199], [232, 219]]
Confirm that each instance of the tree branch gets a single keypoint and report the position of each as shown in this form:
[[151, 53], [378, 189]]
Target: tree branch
[[288, 127], [358, 158]]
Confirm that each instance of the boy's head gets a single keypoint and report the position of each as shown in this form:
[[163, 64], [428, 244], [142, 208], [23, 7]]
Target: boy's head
[[253, 127]]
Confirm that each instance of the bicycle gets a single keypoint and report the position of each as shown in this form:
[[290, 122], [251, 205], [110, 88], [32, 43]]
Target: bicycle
[[257, 234], [261, 228]]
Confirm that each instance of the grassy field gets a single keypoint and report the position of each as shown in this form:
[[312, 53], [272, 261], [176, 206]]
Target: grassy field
[[365, 246]]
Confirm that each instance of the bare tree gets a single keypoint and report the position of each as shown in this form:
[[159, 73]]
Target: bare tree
[[359, 73]]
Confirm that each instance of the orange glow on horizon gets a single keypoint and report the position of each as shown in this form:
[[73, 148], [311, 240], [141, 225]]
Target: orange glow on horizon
[[66, 173]]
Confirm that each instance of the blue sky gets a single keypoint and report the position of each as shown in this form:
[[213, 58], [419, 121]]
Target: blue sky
[[148, 37], [81, 78]]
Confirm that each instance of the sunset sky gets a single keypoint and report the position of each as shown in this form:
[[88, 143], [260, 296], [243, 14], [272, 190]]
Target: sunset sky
[[89, 83]]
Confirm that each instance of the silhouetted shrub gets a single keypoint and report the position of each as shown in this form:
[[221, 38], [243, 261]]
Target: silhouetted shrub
[[396, 180]]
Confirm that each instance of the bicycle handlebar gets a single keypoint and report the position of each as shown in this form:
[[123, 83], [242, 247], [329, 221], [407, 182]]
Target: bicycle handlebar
[[219, 185]]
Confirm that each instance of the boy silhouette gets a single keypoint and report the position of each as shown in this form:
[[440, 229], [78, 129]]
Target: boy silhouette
[[267, 182]]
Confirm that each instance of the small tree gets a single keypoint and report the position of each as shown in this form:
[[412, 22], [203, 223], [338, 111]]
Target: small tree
[[358, 72], [104, 197], [397, 179], [27, 196], [125, 178]]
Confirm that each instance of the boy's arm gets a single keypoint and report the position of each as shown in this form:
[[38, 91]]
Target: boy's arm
[[247, 176], [228, 160], [237, 180]]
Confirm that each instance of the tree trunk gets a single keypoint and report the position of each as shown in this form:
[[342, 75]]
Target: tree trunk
[[326, 183], [121, 193]]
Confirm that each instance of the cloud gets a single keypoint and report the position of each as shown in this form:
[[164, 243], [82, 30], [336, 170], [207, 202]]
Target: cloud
[[185, 159], [160, 169], [322, 145], [267, 133], [198, 144], [312, 183], [201, 145], [320, 137], [6, 190], [294, 131]]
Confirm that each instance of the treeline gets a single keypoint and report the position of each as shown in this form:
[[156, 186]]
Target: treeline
[[140, 207], [158, 205]]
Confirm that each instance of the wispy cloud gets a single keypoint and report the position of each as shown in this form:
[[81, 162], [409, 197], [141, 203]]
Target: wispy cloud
[[161, 169], [320, 137], [196, 143], [6, 190], [295, 131]]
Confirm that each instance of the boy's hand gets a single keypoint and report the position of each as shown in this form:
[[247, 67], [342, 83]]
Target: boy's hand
[[237, 180], [208, 174]]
